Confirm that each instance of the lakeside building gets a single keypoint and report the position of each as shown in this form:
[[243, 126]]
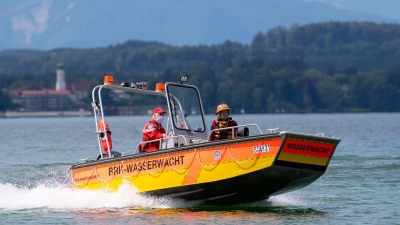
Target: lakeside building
[[64, 97], [44, 100]]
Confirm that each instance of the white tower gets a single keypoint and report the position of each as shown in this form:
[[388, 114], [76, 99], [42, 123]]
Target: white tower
[[60, 83]]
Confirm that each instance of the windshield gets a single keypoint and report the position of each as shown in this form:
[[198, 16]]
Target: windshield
[[186, 109]]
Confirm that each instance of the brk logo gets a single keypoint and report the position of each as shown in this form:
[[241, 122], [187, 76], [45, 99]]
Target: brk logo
[[217, 155]]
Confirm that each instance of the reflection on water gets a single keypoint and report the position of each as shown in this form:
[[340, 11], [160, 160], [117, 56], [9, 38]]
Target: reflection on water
[[203, 215], [257, 209]]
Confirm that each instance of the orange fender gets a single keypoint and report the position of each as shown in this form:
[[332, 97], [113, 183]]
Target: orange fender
[[102, 137]]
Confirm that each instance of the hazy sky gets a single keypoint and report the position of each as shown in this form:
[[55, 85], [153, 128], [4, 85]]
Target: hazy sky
[[58, 23], [389, 8]]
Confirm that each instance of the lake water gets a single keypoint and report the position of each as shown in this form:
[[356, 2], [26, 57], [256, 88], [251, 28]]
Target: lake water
[[360, 186]]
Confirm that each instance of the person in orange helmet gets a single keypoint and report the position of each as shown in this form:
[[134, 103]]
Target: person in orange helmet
[[154, 130], [223, 121]]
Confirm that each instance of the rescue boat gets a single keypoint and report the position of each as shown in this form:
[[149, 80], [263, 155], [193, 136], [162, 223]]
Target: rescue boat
[[250, 167]]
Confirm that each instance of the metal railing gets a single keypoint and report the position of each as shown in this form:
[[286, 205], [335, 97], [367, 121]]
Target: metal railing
[[194, 141], [234, 127]]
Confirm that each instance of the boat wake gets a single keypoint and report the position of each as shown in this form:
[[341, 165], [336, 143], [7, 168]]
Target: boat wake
[[63, 197], [49, 188]]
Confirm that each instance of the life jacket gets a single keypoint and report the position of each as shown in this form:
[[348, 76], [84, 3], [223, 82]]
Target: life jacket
[[223, 134], [103, 137]]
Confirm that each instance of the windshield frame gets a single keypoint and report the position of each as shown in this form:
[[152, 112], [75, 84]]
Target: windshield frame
[[176, 110]]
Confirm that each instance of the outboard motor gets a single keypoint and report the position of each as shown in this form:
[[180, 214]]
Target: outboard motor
[[243, 132]]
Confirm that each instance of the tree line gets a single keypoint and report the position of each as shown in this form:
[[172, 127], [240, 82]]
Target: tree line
[[322, 67]]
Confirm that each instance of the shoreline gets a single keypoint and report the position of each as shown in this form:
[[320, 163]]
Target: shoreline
[[16, 114]]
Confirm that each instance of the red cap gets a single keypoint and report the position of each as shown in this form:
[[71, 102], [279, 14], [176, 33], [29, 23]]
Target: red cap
[[158, 110]]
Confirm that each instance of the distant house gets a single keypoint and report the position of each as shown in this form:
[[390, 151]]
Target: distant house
[[78, 91], [15, 95]]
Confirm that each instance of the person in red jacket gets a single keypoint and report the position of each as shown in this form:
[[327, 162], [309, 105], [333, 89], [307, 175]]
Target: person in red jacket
[[223, 121], [154, 130]]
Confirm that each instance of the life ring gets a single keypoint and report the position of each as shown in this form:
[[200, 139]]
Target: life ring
[[102, 137]]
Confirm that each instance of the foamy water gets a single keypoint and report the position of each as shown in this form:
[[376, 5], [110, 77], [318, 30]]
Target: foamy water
[[67, 198], [62, 197]]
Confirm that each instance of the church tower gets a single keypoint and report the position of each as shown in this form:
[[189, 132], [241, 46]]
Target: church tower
[[60, 83]]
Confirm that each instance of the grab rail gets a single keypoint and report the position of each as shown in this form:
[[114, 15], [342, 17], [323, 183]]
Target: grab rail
[[166, 139], [234, 127]]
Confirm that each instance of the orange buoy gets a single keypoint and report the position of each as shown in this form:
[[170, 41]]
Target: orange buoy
[[102, 137]]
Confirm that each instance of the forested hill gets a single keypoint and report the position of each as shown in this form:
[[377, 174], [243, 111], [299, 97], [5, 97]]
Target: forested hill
[[324, 67], [369, 46]]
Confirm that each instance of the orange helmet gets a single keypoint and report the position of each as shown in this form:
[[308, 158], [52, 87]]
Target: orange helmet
[[222, 107]]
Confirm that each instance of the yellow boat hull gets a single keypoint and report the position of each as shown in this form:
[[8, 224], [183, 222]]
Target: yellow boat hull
[[224, 172]]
